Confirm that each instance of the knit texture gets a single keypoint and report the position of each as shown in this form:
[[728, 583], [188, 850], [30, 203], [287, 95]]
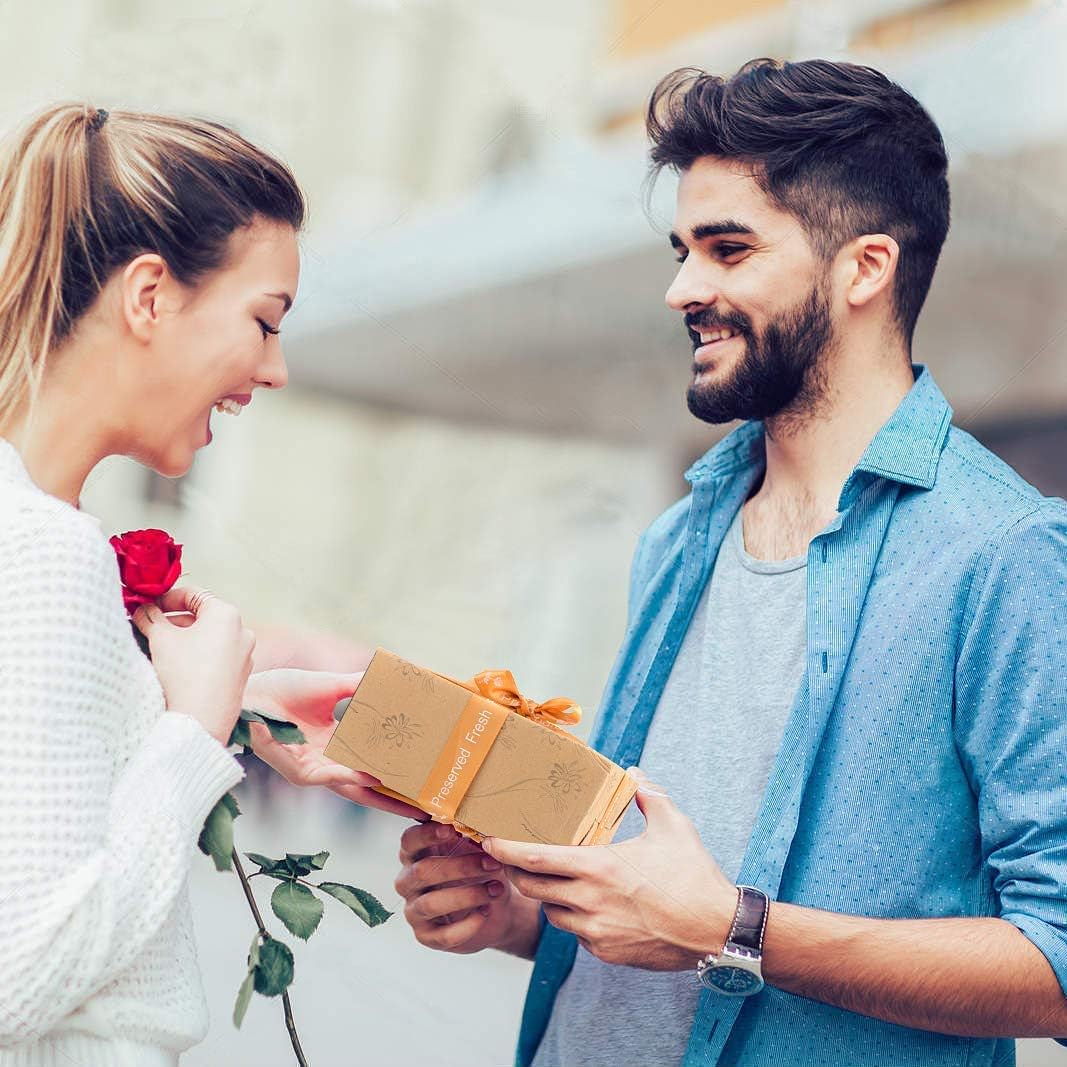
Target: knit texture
[[102, 796]]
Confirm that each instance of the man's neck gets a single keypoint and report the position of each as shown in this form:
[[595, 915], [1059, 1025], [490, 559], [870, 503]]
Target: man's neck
[[809, 458]]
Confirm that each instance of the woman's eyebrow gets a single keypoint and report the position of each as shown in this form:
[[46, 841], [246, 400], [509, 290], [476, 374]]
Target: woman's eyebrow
[[285, 298]]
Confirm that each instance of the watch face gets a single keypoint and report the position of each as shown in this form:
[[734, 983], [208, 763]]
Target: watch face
[[733, 981]]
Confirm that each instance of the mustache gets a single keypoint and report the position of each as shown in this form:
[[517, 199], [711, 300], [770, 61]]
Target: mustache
[[698, 322]]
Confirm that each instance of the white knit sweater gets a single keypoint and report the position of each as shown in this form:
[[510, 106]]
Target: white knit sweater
[[102, 796]]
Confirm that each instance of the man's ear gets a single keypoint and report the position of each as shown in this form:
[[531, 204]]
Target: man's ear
[[871, 265], [140, 291]]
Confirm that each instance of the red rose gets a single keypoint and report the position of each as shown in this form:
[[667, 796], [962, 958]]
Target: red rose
[[149, 564]]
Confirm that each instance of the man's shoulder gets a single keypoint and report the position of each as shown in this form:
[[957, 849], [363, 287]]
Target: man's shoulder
[[979, 488]]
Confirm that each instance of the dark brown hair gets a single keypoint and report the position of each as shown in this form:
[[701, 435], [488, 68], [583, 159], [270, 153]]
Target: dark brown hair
[[839, 146]]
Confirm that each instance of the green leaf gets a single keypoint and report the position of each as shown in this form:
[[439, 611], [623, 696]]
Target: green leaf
[[301, 864], [298, 908], [244, 995], [286, 870], [216, 838], [262, 861], [274, 971], [253, 952], [286, 733], [367, 907], [241, 734], [283, 731]]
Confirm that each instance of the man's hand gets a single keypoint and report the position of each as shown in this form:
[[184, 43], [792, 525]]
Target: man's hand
[[457, 899], [307, 698], [658, 901]]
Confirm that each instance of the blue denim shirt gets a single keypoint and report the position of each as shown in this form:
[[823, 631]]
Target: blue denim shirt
[[922, 772]]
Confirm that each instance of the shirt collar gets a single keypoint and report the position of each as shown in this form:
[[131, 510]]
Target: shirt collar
[[906, 449]]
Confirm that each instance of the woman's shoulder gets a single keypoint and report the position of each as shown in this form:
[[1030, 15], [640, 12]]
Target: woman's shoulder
[[47, 544]]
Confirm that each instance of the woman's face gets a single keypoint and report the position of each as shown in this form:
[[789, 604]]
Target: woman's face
[[201, 344]]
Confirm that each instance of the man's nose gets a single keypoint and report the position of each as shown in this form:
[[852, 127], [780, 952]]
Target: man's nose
[[690, 290]]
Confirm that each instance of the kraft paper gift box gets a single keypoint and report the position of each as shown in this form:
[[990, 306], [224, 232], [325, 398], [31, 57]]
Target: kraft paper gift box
[[464, 758]]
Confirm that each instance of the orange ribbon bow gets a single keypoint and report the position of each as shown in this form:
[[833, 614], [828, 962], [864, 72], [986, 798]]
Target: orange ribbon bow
[[501, 687]]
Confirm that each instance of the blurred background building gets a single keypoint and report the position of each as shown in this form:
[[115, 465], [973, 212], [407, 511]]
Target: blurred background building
[[487, 393]]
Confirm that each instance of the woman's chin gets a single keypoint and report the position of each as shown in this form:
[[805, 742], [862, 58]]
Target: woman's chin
[[175, 462], [173, 469]]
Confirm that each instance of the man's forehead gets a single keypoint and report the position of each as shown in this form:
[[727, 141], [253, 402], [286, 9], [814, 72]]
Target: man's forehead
[[714, 191]]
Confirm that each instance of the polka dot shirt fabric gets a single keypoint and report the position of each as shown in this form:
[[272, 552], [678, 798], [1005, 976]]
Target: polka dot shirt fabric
[[922, 772]]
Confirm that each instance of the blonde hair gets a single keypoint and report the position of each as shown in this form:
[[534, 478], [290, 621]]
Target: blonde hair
[[83, 191]]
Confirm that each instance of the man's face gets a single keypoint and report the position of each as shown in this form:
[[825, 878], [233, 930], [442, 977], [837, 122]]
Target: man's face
[[754, 295]]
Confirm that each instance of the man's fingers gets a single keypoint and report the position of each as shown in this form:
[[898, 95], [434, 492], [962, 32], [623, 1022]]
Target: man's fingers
[[544, 887], [426, 907], [434, 871], [415, 840], [563, 918], [564, 860], [452, 935]]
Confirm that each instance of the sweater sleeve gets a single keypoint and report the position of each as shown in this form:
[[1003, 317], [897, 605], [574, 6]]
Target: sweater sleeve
[[94, 858]]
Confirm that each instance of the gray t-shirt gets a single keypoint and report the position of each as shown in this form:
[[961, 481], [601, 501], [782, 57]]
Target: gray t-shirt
[[711, 745]]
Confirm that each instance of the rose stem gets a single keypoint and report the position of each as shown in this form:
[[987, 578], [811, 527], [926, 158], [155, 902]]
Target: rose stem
[[287, 1007]]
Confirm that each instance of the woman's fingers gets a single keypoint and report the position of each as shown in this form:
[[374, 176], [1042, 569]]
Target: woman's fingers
[[145, 616], [194, 600], [360, 794]]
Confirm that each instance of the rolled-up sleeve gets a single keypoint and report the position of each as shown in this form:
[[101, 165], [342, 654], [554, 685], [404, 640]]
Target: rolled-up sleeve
[[1011, 723]]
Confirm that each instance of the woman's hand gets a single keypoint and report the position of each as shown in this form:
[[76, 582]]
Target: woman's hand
[[307, 698], [202, 661]]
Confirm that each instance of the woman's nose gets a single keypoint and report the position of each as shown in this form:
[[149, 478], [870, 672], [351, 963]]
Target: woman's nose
[[275, 374]]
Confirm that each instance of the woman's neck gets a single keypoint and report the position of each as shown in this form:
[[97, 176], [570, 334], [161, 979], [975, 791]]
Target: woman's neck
[[58, 450]]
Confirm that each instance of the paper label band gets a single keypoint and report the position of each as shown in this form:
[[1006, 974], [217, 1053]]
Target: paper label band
[[461, 757]]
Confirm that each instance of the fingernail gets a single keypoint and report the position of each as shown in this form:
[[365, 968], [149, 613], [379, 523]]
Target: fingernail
[[443, 832], [490, 864], [495, 888]]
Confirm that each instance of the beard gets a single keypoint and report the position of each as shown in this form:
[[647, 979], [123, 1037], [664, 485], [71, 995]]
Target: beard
[[781, 372]]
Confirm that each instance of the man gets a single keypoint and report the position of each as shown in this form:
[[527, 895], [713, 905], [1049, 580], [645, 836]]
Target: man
[[843, 665]]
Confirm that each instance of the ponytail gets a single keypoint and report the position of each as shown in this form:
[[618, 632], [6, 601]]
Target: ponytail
[[44, 194]]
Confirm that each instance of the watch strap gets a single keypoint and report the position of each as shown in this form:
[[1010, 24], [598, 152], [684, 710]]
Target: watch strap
[[750, 919]]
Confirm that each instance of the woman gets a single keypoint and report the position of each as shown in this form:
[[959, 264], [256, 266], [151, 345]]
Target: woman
[[146, 263]]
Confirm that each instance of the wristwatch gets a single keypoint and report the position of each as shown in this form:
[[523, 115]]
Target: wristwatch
[[735, 972]]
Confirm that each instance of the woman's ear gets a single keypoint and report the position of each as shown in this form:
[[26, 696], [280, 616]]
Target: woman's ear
[[140, 292], [871, 265]]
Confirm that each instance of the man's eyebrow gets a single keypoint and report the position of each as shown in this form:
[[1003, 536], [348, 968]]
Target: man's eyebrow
[[285, 298], [713, 229]]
